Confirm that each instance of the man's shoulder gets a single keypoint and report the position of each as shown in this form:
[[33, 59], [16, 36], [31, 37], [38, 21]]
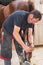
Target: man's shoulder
[[20, 12]]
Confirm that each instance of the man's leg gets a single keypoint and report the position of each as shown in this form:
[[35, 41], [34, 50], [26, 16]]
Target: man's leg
[[6, 47], [7, 62]]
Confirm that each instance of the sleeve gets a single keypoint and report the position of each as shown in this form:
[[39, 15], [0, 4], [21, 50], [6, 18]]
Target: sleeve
[[17, 20], [31, 25]]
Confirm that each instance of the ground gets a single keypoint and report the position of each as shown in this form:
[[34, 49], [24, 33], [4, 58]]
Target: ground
[[37, 57]]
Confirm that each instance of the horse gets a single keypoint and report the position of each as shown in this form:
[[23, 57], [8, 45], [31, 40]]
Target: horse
[[5, 11]]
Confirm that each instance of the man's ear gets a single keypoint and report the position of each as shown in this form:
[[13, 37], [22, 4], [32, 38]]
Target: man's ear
[[38, 19], [31, 16]]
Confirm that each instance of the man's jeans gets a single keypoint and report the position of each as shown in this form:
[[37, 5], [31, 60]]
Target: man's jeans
[[6, 46]]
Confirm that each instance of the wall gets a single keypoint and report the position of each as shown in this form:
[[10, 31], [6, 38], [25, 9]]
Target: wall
[[38, 34]]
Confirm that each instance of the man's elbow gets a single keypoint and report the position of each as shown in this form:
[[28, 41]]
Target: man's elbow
[[14, 34]]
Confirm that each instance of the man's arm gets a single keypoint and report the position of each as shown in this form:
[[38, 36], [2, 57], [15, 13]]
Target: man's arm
[[30, 36], [19, 40]]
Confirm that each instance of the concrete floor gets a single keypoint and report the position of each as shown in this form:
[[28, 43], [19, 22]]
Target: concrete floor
[[37, 56]]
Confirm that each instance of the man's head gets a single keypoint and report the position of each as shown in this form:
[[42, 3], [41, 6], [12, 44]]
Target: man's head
[[34, 16]]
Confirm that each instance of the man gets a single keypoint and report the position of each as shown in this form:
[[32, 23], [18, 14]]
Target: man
[[19, 20]]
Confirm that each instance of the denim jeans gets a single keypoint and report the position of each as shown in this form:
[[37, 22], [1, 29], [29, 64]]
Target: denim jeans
[[6, 46]]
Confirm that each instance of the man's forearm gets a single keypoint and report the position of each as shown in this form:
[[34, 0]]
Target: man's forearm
[[18, 39], [31, 40]]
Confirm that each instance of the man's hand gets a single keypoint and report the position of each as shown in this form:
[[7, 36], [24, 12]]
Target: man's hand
[[32, 45], [28, 49]]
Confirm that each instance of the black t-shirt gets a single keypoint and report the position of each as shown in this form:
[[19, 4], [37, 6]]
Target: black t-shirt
[[18, 18]]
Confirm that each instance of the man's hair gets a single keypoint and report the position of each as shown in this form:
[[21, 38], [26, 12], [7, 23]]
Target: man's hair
[[37, 14]]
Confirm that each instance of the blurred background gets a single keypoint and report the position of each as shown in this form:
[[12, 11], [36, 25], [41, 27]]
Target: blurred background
[[9, 6]]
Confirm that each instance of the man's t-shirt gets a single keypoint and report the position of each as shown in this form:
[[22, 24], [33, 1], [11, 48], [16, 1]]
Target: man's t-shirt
[[18, 18]]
